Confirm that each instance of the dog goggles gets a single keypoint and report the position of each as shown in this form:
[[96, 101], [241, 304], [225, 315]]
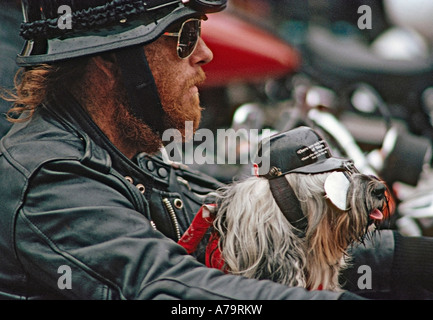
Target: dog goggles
[[187, 37], [337, 184]]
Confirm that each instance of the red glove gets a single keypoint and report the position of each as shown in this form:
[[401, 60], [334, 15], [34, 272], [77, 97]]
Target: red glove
[[201, 223]]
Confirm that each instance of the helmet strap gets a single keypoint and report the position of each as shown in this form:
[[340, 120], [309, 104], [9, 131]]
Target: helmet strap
[[143, 97]]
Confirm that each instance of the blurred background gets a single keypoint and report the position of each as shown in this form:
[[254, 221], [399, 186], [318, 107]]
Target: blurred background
[[358, 71]]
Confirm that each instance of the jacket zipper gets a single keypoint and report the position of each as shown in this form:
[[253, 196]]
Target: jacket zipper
[[172, 216]]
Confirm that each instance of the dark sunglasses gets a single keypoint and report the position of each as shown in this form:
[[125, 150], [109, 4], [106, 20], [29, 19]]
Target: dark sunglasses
[[187, 37]]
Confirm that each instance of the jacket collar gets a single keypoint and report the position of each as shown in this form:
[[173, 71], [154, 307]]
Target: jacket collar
[[69, 109]]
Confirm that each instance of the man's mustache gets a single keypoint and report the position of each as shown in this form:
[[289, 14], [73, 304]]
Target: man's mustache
[[196, 80]]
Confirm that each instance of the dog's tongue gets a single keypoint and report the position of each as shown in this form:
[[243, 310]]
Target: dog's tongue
[[376, 214]]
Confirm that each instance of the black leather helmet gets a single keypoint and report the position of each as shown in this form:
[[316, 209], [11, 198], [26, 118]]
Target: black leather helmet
[[300, 150], [97, 26]]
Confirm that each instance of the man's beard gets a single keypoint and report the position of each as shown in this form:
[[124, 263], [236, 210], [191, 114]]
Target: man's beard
[[137, 135], [178, 113]]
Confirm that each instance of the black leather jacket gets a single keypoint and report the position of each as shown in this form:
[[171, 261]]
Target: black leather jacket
[[72, 205]]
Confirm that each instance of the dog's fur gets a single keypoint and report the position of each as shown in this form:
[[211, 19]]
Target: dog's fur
[[258, 242]]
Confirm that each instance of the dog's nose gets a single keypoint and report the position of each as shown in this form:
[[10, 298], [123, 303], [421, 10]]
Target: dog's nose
[[379, 191]]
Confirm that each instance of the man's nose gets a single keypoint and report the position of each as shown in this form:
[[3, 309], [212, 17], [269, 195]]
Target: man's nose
[[202, 54]]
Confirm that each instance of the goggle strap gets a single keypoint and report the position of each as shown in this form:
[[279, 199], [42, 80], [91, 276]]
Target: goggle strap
[[288, 203]]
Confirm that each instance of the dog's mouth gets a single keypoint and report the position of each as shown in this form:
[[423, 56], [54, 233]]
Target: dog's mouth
[[376, 215], [374, 220], [387, 206]]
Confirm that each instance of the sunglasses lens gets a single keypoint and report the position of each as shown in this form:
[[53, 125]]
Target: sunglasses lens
[[188, 38]]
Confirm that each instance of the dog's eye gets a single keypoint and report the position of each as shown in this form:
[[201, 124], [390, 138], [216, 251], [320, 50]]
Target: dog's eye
[[379, 191]]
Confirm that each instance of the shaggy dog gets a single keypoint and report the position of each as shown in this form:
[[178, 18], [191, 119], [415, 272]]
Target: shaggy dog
[[294, 220]]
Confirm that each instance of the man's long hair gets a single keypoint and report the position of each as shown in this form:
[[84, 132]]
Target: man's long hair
[[35, 85]]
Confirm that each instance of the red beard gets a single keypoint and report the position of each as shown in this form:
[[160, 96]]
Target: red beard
[[138, 135]]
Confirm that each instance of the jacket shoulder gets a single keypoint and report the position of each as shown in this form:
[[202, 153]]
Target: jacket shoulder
[[47, 140]]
